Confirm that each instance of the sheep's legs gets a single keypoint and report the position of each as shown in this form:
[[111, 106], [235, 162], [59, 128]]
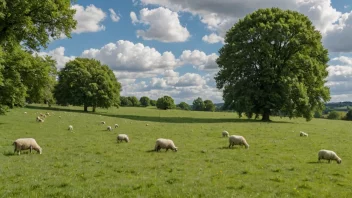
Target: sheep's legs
[[30, 149]]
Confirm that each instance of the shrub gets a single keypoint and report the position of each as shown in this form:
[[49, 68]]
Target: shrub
[[334, 115], [165, 102]]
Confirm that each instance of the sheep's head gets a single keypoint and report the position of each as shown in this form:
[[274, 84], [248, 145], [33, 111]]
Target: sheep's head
[[339, 161], [175, 149], [39, 150]]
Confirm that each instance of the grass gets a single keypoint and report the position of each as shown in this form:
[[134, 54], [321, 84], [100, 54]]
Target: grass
[[90, 163]]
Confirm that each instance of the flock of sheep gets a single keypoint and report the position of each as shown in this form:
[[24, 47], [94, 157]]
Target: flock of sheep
[[161, 143]]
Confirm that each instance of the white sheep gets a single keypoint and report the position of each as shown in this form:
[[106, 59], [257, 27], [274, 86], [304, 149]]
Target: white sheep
[[122, 137], [25, 144], [116, 125], [39, 119], [328, 155], [47, 113], [167, 144], [70, 127], [238, 140], [109, 128], [25, 112], [147, 125], [102, 122], [303, 134], [225, 134]]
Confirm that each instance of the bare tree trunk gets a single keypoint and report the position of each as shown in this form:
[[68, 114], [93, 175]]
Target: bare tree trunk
[[85, 108], [94, 107], [266, 115]]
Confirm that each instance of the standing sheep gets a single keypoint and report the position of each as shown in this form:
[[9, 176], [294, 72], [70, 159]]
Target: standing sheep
[[238, 140], [25, 144], [167, 144], [122, 137], [116, 125], [102, 122], [328, 155], [303, 134], [70, 127], [225, 134], [109, 128]]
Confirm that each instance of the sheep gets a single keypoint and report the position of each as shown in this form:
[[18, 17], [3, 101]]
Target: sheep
[[225, 134], [47, 113], [167, 144], [116, 125], [328, 155], [303, 134], [238, 140], [109, 128], [39, 119], [25, 112], [122, 137], [70, 127], [102, 122], [25, 144], [147, 125]]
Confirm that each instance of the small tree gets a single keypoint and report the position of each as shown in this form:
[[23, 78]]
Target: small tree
[[184, 106], [134, 101], [334, 115], [209, 105], [144, 101], [317, 114], [125, 101], [198, 104], [349, 115], [153, 102], [165, 102]]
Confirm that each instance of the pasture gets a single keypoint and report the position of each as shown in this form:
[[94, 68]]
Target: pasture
[[88, 162]]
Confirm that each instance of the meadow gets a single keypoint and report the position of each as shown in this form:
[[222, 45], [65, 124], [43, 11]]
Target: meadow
[[89, 162]]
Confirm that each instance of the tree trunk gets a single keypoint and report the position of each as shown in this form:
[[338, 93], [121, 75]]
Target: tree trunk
[[266, 115], [94, 107], [85, 108]]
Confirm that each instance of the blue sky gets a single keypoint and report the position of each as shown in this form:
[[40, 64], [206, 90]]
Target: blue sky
[[169, 47]]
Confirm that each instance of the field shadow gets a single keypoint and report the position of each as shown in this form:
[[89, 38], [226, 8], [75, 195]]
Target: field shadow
[[315, 162], [9, 154], [150, 151], [161, 119]]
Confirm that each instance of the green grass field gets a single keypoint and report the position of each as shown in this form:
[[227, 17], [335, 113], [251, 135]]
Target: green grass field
[[90, 163]]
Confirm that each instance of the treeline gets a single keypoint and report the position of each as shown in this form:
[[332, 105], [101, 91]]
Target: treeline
[[167, 102]]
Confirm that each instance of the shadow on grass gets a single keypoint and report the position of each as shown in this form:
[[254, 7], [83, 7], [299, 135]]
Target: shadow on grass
[[9, 154], [160, 119], [315, 162], [150, 151]]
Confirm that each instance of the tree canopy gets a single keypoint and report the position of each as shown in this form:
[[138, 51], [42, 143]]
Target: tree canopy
[[134, 101], [87, 82], [198, 104], [165, 102], [209, 105], [144, 101], [184, 106], [34, 22], [273, 60]]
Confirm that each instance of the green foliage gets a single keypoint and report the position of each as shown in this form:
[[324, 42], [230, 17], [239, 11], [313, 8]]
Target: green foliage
[[87, 82], [125, 101], [33, 22], [274, 60], [165, 102], [209, 105], [334, 115], [134, 101], [144, 101], [317, 114], [198, 104], [25, 76], [349, 115], [184, 106], [153, 102]]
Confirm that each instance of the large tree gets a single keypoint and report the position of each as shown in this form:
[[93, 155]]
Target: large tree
[[134, 101], [273, 60], [87, 82], [144, 101], [25, 77], [198, 104], [165, 102], [209, 105], [33, 22], [184, 106]]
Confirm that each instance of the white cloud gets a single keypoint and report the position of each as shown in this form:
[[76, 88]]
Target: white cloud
[[127, 56], [88, 19], [213, 38], [58, 54], [134, 17], [113, 15], [344, 60], [164, 25], [190, 79], [199, 59]]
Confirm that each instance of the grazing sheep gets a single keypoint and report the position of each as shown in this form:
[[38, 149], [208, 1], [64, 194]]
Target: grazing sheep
[[116, 125], [238, 140], [39, 119], [147, 125], [102, 122], [25, 144], [47, 113], [328, 155], [225, 134], [303, 134], [122, 137], [70, 127], [109, 128], [25, 112], [167, 144]]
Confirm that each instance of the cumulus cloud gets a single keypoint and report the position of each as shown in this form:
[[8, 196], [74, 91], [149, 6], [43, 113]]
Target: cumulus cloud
[[113, 15], [213, 38], [88, 19], [164, 25], [58, 55], [199, 59]]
